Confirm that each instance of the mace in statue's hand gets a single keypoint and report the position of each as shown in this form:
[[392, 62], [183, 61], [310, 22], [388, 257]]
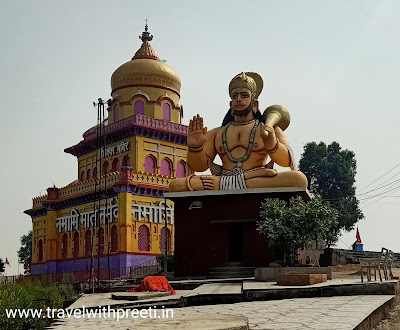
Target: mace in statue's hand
[[268, 136], [197, 133]]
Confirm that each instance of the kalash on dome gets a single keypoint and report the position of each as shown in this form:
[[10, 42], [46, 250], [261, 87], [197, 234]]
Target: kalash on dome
[[145, 149]]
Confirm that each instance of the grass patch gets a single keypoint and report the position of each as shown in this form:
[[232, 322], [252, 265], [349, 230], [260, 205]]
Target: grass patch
[[32, 295]]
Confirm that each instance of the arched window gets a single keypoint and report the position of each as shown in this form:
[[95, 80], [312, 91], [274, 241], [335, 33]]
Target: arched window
[[82, 175], [64, 251], [181, 169], [88, 243], [150, 164], [94, 172], [144, 238], [114, 239], [116, 165], [116, 112], [76, 245], [166, 167], [126, 161], [139, 108], [166, 111], [165, 239], [88, 174], [40, 248], [101, 241], [106, 167]]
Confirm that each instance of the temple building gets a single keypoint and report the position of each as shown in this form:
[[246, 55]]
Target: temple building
[[358, 245], [146, 147]]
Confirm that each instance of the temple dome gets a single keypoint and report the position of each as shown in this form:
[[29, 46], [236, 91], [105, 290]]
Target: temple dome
[[145, 69]]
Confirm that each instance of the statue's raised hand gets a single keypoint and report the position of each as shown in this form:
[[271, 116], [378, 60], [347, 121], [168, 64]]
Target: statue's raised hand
[[268, 136], [197, 133]]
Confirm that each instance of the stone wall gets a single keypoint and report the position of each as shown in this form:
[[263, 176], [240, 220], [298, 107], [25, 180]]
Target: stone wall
[[333, 257]]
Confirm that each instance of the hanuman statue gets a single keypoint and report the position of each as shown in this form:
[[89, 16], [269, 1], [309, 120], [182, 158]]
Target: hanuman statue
[[244, 142]]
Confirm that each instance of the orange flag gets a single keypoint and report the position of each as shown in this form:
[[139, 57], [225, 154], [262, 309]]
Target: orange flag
[[7, 262], [358, 237]]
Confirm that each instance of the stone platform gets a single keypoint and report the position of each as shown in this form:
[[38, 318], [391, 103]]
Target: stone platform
[[300, 279], [268, 274], [337, 304], [133, 296]]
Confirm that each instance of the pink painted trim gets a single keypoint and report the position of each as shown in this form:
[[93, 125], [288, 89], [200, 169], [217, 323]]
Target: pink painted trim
[[166, 112]]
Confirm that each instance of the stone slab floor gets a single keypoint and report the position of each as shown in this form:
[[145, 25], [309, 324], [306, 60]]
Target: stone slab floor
[[336, 313]]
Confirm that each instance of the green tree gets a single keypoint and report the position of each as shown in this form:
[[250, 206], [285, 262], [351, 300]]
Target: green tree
[[25, 252], [297, 225], [2, 266], [331, 174]]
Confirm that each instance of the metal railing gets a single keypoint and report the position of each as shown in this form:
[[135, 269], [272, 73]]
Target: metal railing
[[10, 279], [152, 267]]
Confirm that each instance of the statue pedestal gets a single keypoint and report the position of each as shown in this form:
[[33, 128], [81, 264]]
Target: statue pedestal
[[218, 228]]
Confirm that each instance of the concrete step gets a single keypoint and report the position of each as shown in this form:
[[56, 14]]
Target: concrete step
[[229, 268], [231, 272], [220, 288], [238, 274], [224, 277]]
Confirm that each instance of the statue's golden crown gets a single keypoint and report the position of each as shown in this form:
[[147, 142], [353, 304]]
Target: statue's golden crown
[[250, 80]]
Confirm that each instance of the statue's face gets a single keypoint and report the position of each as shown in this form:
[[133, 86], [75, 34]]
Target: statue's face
[[240, 99]]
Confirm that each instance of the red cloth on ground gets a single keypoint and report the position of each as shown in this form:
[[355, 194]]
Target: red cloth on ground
[[154, 283]]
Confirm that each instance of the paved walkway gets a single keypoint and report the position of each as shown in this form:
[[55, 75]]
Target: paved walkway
[[104, 299], [339, 313]]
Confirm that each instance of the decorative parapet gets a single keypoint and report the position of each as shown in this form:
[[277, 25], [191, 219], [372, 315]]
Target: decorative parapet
[[142, 121], [38, 201], [88, 186], [151, 179]]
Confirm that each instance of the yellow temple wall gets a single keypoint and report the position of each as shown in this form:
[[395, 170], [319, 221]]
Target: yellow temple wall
[[139, 149], [44, 228], [153, 99], [159, 150], [88, 161]]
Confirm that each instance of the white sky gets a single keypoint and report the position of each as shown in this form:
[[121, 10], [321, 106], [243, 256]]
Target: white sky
[[334, 64]]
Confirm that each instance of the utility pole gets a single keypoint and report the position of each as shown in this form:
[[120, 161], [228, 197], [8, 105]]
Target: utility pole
[[166, 238]]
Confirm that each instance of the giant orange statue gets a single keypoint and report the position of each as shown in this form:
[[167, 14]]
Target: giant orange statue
[[243, 142]]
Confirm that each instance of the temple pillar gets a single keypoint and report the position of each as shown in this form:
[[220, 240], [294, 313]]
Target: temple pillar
[[51, 236], [125, 222]]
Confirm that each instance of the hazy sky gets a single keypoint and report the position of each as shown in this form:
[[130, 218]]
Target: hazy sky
[[333, 64]]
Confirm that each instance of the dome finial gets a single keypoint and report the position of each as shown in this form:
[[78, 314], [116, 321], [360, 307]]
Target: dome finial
[[146, 36]]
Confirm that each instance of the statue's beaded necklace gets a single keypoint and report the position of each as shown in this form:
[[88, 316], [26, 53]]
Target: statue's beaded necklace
[[239, 161]]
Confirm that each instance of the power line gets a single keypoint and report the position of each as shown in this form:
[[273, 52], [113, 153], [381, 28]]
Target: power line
[[379, 187], [380, 177], [380, 194], [379, 199]]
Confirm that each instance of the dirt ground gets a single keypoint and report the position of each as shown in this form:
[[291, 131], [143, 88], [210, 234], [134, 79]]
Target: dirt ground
[[353, 271], [392, 322]]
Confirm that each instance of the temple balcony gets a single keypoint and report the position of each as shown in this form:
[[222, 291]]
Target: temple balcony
[[139, 120], [136, 125], [81, 188]]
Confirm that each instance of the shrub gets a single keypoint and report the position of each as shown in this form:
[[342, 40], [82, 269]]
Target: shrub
[[33, 295], [299, 224]]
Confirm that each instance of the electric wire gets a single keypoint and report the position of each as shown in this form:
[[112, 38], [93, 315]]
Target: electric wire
[[380, 194], [380, 186], [380, 177], [379, 199]]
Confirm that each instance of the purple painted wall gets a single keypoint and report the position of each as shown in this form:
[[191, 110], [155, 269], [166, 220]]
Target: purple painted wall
[[166, 112], [116, 113], [76, 265], [149, 165], [180, 170], [139, 108], [165, 167]]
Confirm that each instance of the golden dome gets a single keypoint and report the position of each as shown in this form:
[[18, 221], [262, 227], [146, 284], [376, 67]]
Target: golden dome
[[145, 69]]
